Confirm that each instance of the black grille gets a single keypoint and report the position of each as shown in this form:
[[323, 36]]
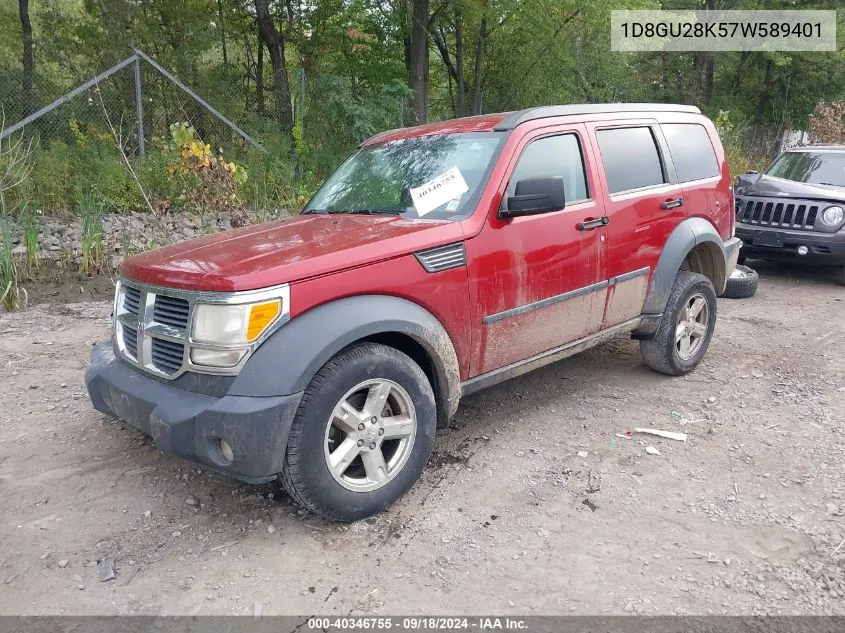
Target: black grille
[[171, 311], [774, 213], [167, 355], [130, 340], [131, 299]]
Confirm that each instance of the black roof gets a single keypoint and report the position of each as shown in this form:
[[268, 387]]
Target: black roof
[[515, 118]]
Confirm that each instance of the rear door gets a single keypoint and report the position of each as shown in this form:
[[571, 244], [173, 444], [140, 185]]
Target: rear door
[[643, 202], [698, 171]]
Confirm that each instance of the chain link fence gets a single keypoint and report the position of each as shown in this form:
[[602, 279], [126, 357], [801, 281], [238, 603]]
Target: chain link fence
[[86, 126]]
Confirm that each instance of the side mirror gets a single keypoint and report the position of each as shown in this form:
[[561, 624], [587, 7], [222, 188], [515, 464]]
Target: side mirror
[[534, 196]]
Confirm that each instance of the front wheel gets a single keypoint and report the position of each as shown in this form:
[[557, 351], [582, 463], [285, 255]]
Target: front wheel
[[686, 328], [362, 435]]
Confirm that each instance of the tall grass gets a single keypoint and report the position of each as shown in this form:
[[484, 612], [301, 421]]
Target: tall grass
[[15, 167], [31, 219], [91, 211], [12, 295]]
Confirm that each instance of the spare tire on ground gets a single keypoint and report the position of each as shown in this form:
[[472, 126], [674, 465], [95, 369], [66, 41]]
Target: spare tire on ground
[[741, 284]]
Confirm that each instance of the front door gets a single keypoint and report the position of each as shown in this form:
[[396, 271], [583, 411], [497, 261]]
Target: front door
[[538, 282]]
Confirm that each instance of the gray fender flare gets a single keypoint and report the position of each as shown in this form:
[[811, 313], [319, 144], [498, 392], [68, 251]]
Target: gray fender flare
[[287, 361], [683, 239]]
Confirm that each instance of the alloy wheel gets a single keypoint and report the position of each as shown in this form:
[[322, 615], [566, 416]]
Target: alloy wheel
[[691, 329], [370, 435]]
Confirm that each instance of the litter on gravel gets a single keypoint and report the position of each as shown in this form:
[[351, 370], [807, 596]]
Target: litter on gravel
[[105, 568], [671, 435]]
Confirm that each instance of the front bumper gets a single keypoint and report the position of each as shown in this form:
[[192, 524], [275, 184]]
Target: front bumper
[[191, 425], [825, 249]]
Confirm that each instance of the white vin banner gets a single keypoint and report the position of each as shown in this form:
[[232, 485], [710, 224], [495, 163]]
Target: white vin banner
[[633, 31]]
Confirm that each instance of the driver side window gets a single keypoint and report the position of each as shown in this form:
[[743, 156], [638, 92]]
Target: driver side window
[[553, 156]]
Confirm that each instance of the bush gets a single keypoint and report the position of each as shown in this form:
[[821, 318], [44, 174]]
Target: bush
[[179, 174], [61, 173], [741, 153], [210, 182], [162, 185], [825, 124], [272, 185]]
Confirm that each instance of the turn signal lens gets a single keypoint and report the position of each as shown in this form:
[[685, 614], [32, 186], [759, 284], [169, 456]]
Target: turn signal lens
[[260, 316]]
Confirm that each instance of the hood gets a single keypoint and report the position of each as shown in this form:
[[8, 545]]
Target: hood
[[769, 186], [284, 251]]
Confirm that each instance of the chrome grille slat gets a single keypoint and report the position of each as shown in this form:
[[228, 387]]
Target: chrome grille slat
[[130, 340], [171, 311], [132, 300], [167, 356], [774, 212]]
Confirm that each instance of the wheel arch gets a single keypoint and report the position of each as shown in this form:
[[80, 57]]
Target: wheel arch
[[708, 259], [287, 361], [694, 245]]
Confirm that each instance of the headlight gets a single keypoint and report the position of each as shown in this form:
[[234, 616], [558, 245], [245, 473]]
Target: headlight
[[739, 191], [833, 215], [223, 332]]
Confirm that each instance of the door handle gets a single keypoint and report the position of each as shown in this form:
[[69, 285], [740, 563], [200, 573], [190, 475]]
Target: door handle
[[588, 225], [672, 204]]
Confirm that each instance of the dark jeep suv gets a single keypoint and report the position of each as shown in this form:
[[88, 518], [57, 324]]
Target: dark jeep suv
[[795, 210]]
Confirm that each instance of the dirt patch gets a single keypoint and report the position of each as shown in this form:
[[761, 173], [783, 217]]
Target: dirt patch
[[531, 503], [69, 289]]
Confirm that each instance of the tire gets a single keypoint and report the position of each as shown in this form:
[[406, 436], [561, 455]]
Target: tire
[[361, 485], [742, 284], [663, 352]]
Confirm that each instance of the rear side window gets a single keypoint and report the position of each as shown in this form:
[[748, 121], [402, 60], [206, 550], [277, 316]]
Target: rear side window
[[630, 158], [691, 150], [550, 157]]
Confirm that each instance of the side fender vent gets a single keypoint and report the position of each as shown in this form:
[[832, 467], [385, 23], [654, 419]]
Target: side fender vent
[[435, 260]]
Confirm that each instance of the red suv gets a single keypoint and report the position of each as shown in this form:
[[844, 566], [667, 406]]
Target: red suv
[[326, 348]]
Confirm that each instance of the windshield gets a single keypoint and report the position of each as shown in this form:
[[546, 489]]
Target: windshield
[[818, 168], [438, 176]]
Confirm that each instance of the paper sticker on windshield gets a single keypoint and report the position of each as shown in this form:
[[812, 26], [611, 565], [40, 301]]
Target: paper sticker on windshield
[[453, 204], [438, 191]]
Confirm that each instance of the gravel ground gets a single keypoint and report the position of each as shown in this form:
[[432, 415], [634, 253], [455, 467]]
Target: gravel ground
[[530, 504]]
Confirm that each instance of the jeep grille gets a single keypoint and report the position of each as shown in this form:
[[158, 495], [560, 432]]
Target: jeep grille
[[777, 213]]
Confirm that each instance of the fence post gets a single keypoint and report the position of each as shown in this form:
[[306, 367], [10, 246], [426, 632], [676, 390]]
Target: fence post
[[139, 107]]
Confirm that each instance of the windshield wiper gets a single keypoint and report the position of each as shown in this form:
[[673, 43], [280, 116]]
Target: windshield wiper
[[370, 211]]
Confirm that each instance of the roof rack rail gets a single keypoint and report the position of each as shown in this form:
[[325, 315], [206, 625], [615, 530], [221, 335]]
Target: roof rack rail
[[530, 114]]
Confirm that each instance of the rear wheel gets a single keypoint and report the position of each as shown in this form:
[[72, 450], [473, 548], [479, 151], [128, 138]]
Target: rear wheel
[[686, 328], [362, 435]]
